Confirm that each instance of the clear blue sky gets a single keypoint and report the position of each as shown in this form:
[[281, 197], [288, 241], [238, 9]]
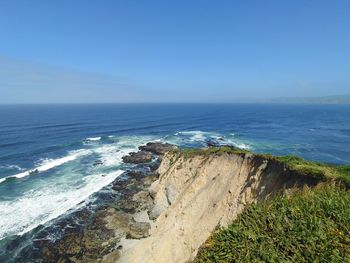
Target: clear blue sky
[[172, 51]]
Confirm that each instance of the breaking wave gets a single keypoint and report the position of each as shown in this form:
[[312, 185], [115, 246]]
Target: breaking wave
[[48, 164]]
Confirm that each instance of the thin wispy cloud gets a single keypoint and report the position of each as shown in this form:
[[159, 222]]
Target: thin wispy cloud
[[29, 82]]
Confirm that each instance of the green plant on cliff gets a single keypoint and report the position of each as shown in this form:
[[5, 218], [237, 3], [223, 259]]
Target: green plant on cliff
[[191, 152], [312, 225], [300, 165], [321, 170]]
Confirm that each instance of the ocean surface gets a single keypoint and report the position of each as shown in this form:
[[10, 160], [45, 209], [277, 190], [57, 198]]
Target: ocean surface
[[54, 157]]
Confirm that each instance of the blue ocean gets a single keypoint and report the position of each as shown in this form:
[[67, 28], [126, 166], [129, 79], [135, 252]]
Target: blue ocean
[[54, 157]]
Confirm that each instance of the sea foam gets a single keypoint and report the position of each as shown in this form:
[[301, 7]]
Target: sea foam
[[92, 139], [42, 205], [194, 136], [203, 136], [69, 188], [48, 164]]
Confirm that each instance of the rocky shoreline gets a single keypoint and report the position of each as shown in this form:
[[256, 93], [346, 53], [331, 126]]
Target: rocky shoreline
[[96, 231]]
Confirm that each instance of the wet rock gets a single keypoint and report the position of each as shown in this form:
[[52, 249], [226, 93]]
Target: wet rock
[[98, 162], [144, 200], [138, 230], [142, 197], [118, 220], [212, 143], [158, 147], [138, 157], [35, 171], [135, 173], [149, 179], [154, 166], [128, 206]]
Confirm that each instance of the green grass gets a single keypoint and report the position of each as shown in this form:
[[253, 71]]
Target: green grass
[[192, 152], [312, 225], [319, 170]]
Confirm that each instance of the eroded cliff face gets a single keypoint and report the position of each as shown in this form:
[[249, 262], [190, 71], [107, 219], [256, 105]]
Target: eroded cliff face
[[194, 195]]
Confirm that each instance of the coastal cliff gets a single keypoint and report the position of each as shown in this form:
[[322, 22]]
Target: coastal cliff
[[201, 190], [215, 204]]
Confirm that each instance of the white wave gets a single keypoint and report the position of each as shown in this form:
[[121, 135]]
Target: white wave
[[91, 139], [242, 146], [12, 166], [48, 164], [111, 155], [56, 195], [195, 136], [201, 136], [236, 143], [44, 204]]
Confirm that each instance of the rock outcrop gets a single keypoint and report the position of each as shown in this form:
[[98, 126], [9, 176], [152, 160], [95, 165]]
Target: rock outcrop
[[196, 194], [138, 157], [158, 147]]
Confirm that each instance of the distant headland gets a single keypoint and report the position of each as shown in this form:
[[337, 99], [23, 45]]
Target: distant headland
[[335, 99]]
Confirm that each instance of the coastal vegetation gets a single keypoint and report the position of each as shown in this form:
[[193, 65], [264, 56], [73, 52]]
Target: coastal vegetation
[[323, 171], [312, 225]]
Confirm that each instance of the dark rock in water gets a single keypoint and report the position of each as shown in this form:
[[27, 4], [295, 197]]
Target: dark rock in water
[[135, 173], [133, 197], [124, 223], [212, 143], [98, 162], [36, 171], [158, 147], [84, 237], [149, 179], [154, 165], [138, 157]]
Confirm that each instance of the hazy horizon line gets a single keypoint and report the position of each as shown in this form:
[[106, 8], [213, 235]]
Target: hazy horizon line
[[332, 99]]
